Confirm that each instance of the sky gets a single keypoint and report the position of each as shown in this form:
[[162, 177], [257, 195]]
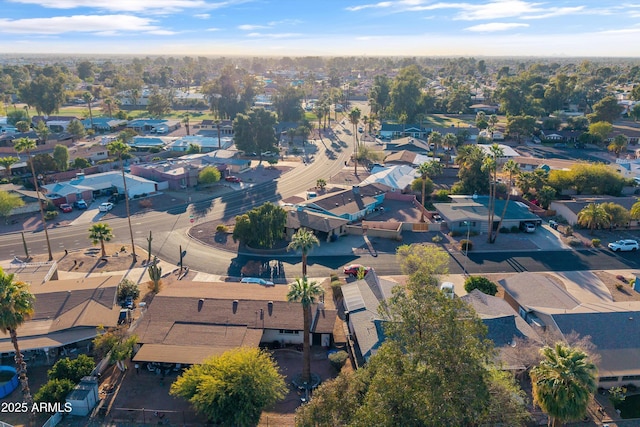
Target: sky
[[555, 28]]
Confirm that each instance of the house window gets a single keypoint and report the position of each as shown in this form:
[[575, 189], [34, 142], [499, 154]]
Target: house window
[[289, 332], [608, 379], [463, 224], [631, 378]]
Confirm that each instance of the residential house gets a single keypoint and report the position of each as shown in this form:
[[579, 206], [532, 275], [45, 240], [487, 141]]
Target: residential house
[[206, 143], [410, 144], [154, 126], [470, 213], [100, 184], [178, 174], [396, 177], [29, 197], [325, 227], [351, 204], [54, 123], [564, 135], [361, 301], [398, 130], [147, 142], [406, 157], [488, 109], [529, 164], [92, 153], [569, 209], [191, 321], [507, 152], [105, 124], [210, 128]]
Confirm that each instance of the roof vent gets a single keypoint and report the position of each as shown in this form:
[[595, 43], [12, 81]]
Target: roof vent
[[200, 303]]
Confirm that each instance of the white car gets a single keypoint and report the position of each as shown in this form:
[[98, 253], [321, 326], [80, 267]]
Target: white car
[[256, 281], [529, 227], [105, 207], [623, 245]]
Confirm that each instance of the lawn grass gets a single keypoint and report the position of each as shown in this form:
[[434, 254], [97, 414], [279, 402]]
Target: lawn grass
[[80, 111], [630, 407]]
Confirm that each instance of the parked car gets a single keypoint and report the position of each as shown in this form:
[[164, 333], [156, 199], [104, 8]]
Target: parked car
[[105, 207], [352, 270], [80, 204], [529, 227], [624, 245], [257, 281], [232, 178], [66, 208], [115, 198]]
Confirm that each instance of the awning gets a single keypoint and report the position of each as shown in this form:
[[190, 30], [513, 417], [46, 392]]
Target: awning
[[53, 340], [186, 355]]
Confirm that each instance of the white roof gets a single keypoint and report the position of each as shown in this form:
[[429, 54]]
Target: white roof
[[508, 151], [398, 176]]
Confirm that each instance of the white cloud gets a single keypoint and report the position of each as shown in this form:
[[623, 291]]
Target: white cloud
[[149, 6], [380, 5], [495, 26], [249, 27], [104, 24], [274, 35], [213, 29], [202, 15]]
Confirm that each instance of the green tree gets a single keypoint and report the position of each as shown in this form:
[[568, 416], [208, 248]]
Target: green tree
[[159, 104], [635, 111], [45, 92], [303, 240], [23, 126], [26, 145], [128, 289], [519, 126], [76, 128], [635, 210], [7, 162], [54, 390], [255, 131], [43, 132], [406, 92], [209, 175], [193, 148], [85, 70], [617, 213], [435, 138], [490, 165], [261, 227], [287, 104], [471, 178], [80, 163], [8, 202], [422, 261], [88, 99], [593, 216], [233, 388], [605, 110], [61, 157], [100, 233], [305, 293], [618, 145], [425, 185], [120, 149], [16, 307], [601, 130], [546, 196], [563, 383], [480, 283], [72, 369]]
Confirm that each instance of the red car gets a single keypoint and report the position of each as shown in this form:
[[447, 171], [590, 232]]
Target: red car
[[233, 179], [66, 208], [352, 270]]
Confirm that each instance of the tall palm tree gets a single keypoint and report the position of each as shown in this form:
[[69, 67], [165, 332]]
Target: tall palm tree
[[135, 94], [16, 307], [304, 240], [26, 145], [218, 122], [109, 102], [119, 148], [185, 120], [354, 118], [305, 293], [88, 98], [491, 166], [512, 169], [428, 170], [593, 216], [435, 138], [99, 233], [6, 162], [563, 383]]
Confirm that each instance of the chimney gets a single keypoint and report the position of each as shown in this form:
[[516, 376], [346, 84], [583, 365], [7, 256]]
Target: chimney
[[356, 189]]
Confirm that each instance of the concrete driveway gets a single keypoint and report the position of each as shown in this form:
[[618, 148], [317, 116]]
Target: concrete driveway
[[585, 286]]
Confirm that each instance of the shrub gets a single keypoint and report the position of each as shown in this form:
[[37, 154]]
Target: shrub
[[127, 289], [482, 284], [55, 390], [595, 243], [455, 233], [574, 243], [221, 228], [146, 203], [338, 359], [568, 231], [4, 181], [334, 276], [619, 286], [50, 215], [515, 229], [436, 239], [441, 196], [504, 230], [336, 289], [466, 245], [72, 369], [155, 159], [154, 150]]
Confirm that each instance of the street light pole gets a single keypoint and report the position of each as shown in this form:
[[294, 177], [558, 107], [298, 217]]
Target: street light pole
[[466, 255]]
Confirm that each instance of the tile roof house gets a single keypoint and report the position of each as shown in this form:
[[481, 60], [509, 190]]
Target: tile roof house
[[406, 157], [323, 226], [361, 301], [101, 183], [352, 204], [192, 321], [67, 312], [569, 209], [397, 177]]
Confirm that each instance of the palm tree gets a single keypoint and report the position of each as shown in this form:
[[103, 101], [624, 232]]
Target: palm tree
[[100, 233], [88, 98], [593, 216], [109, 103], [119, 148], [512, 169], [185, 120], [26, 145], [491, 166], [16, 307], [319, 111], [135, 94], [354, 118], [304, 240], [563, 383], [428, 170], [217, 122], [305, 293], [635, 210], [6, 162], [618, 145], [435, 138]]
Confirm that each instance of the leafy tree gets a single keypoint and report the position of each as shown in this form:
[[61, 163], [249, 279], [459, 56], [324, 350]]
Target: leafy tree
[[8, 202], [43, 163], [425, 185], [43, 132], [72, 369], [546, 195], [16, 307], [13, 117], [593, 216], [303, 240], [88, 98], [261, 227], [23, 126], [305, 293], [618, 145], [128, 289], [480, 283], [605, 110], [635, 111], [76, 128], [117, 343], [380, 95], [588, 179], [54, 390], [255, 131], [617, 213], [472, 179], [159, 104], [520, 126], [635, 210], [121, 149], [422, 260], [61, 157], [85, 70], [577, 123], [406, 92], [80, 163], [45, 92], [601, 130], [233, 388], [209, 175], [193, 149], [287, 104], [7, 162], [563, 383], [100, 233]]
